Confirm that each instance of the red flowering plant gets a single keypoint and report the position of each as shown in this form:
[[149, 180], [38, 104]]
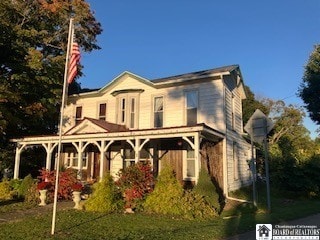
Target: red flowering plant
[[67, 178], [135, 182], [77, 187], [43, 185]]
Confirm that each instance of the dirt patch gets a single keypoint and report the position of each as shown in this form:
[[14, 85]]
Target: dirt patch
[[19, 215]]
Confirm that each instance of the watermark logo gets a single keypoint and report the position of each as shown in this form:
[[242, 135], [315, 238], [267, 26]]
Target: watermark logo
[[287, 232], [264, 232]]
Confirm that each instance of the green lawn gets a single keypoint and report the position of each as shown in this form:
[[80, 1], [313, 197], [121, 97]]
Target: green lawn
[[74, 224]]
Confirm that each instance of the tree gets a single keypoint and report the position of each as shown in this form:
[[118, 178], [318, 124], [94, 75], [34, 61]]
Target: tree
[[309, 90], [250, 104], [33, 44]]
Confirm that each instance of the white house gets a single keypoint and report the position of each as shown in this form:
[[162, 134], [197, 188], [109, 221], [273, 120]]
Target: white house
[[190, 120]]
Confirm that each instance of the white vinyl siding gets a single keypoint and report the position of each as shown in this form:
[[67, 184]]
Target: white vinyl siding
[[209, 110]]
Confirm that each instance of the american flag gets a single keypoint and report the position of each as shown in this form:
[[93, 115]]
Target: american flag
[[74, 60]]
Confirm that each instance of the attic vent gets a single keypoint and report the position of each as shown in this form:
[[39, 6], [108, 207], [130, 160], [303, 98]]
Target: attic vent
[[117, 92]]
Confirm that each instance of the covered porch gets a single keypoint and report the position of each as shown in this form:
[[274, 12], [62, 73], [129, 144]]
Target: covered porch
[[94, 154]]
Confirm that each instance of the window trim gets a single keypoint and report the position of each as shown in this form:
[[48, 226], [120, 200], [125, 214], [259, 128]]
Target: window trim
[[235, 160], [185, 164], [186, 92], [100, 116], [124, 110], [72, 157], [76, 117], [154, 111]]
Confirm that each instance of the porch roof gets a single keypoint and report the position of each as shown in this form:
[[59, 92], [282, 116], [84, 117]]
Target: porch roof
[[180, 131]]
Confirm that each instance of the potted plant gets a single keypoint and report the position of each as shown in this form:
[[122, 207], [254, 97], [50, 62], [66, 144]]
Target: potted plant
[[76, 193], [43, 189]]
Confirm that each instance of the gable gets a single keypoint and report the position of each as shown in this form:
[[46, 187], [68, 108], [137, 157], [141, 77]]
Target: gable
[[235, 81], [126, 80], [90, 125]]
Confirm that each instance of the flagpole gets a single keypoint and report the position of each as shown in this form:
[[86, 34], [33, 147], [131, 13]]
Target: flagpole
[[64, 93]]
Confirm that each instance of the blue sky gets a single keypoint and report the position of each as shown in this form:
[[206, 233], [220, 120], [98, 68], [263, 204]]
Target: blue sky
[[270, 40]]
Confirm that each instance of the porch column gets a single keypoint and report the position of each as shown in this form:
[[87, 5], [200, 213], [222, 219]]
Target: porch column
[[102, 153], [79, 149], [137, 150], [103, 150], [197, 156], [19, 149], [79, 174], [49, 149]]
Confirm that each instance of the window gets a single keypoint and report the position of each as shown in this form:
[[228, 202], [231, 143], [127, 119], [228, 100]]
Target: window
[[127, 111], [122, 110], [232, 112], [158, 112], [102, 111], [72, 160], [78, 114], [191, 107], [132, 112], [129, 157], [235, 161], [190, 163]]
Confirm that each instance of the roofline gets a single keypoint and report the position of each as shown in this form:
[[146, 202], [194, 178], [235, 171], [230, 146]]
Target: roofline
[[162, 82], [151, 133]]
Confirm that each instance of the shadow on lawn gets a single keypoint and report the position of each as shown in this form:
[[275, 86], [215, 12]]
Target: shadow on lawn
[[81, 222], [9, 202], [240, 219]]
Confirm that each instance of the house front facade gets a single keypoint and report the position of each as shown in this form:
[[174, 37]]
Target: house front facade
[[189, 121]]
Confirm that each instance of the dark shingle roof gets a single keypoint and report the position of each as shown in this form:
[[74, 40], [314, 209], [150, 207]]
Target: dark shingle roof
[[198, 74], [110, 127]]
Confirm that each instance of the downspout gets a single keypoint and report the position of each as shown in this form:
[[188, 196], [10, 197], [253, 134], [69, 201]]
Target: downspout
[[237, 199], [226, 191]]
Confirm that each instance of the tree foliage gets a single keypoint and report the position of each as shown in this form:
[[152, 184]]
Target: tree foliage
[[310, 86], [250, 104], [33, 44]]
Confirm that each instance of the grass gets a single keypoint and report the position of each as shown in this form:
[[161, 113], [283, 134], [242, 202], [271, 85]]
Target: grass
[[239, 218]]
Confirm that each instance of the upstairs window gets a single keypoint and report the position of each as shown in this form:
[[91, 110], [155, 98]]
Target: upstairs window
[[233, 118], [123, 110], [127, 113], [78, 116], [191, 108], [158, 112], [102, 111], [132, 112]]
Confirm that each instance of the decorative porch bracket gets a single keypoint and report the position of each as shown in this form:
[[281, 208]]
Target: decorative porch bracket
[[19, 149]]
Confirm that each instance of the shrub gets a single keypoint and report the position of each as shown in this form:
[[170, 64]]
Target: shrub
[[207, 189], [105, 197], [32, 195], [196, 206], [26, 184], [67, 178], [135, 182], [5, 190], [169, 198], [15, 186], [167, 194]]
